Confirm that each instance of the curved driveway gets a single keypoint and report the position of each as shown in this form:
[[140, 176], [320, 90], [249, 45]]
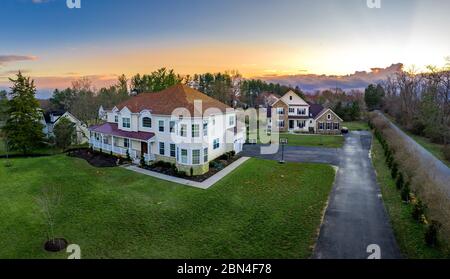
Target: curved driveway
[[355, 217]]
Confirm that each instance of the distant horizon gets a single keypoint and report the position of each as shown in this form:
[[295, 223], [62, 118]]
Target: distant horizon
[[307, 82]]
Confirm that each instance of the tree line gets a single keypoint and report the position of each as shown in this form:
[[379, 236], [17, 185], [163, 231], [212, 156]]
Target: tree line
[[420, 102]]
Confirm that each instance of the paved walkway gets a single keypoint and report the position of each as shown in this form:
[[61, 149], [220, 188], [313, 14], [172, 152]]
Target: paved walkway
[[297, 154], [202, 185], [355, 217], [438, 170]]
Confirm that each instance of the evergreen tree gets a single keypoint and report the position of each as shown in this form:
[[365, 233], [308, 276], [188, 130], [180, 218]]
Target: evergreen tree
[[373, 96], [23, 128], [65, 133]]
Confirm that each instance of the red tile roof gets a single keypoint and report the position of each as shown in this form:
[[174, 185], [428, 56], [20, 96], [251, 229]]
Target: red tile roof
[[166, 101], [112, 129]]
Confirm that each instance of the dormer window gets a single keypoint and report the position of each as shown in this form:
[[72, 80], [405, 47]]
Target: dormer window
[[329, 116], [126, 123], [116, 119], [147, 122]]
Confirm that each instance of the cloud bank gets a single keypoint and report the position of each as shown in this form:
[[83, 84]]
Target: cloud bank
[[4, 59], [313, 82]]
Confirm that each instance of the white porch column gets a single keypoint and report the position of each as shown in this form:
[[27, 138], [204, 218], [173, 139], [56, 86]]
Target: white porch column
[[101, 144], [130, 150], [112, 143]]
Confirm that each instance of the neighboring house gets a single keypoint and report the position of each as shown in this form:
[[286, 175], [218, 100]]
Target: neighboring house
[[103, 113], [265, 99], [167, 126], [50, 120], [296, 115]]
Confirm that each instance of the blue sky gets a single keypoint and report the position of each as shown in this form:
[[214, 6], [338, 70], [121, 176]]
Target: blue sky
[[257, 37]]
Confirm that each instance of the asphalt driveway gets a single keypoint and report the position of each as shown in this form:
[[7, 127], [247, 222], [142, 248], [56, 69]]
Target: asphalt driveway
[[355, 217]]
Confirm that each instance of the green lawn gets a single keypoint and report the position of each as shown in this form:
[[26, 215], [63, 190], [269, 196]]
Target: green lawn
[[408, 232], [41, 150], [357, 125], [261, 210], [433, 148], [314, 140]]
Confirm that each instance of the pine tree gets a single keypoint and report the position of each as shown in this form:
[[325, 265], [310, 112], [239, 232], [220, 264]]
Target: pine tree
[[23, 128]]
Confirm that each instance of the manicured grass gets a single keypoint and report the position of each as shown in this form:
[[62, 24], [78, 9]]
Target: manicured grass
[[40, 150], [408, 232], [433, 148], [329, 141], [314, 140], [357, 125], [261, 210]]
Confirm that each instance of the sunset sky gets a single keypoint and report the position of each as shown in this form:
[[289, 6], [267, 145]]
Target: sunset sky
[[104, 38]]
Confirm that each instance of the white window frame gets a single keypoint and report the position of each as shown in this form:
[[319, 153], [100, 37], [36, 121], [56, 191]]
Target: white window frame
[[128, 122], [173, 155], [195, 130], [216, 144], [196, 162], [143, 122], [184, 158], [163, 126], [183, 130], [205, 155], [162, 147]]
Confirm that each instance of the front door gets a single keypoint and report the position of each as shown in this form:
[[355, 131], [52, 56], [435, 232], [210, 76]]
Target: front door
[[291, 124], [144, 147]]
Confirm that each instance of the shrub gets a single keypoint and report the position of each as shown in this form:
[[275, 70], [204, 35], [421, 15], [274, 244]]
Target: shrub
[[399, 182], [405, 192], [394, 170], [418, 210], [432, 232], [389, 161], [128, 155], [446, 151], [142, 162], [191, 171], [181, 174]]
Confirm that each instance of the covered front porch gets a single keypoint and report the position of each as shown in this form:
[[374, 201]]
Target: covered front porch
[[107, 138]]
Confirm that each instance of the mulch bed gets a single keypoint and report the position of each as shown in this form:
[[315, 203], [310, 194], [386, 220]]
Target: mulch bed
[[220, 163], [55, 245], [95, 158]]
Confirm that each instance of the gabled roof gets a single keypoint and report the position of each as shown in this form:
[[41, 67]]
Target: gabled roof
[[326, 110], [315, 109], [166, 101]]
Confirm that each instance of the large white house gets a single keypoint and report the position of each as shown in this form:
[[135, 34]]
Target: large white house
[[179, 125]]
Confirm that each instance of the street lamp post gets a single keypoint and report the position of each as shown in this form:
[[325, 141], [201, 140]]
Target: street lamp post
[[283, 142]]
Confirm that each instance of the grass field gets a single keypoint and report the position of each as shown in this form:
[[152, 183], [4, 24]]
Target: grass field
[[433, 148], [314, 140], [41, 150], [357, 125], [260, 210], [408, 232]]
